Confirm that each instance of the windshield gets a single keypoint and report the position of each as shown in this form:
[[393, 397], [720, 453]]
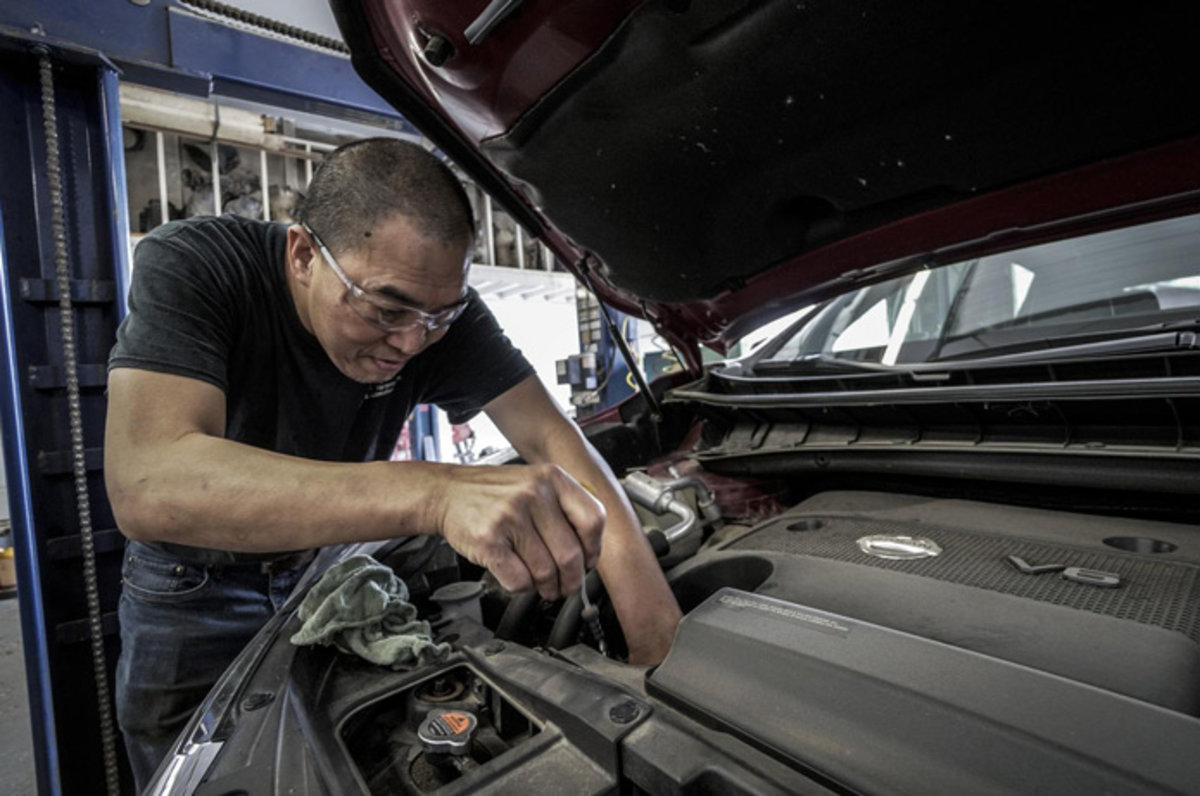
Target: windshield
[[1033, 297]]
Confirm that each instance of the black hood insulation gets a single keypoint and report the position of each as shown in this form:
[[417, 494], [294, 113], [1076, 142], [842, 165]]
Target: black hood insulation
[[708, 141]]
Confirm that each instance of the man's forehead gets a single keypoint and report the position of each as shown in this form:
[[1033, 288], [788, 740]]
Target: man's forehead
[[406, 233], [406, 225]]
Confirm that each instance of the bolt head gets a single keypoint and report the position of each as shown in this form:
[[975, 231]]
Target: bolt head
[[624, 712], [437, 50]]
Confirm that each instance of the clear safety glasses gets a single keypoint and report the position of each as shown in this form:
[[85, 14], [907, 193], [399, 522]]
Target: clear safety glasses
[[387, 314]]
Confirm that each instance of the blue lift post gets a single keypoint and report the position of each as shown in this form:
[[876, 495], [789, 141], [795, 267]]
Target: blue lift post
[[64, 708], [160, 43]]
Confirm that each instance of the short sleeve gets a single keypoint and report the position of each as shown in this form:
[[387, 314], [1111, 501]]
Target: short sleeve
[[474, 363], [181, 310]]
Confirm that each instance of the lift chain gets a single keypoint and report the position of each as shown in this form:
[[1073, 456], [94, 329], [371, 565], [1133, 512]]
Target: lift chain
[[108, 736], [268, 24]]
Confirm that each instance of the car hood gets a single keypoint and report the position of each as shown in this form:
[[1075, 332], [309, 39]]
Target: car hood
[[711, 165]]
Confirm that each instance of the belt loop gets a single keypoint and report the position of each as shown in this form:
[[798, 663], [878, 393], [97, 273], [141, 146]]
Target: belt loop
[[291, 561]]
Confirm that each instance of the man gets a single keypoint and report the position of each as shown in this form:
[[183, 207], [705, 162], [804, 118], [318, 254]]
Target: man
[[255, 390]]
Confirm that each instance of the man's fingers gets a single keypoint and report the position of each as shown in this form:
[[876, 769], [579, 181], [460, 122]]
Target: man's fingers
[[510, 571], [562, 545], [584, 513], [539, 563], [538, 527]]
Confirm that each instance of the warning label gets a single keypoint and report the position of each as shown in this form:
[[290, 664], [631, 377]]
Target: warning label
[[457, 722]]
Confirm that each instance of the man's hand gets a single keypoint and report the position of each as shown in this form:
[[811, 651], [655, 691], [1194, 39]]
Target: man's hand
[[644, 604], [531, 526]]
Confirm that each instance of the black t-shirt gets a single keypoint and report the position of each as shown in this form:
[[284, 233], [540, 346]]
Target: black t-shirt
[[209, 300]]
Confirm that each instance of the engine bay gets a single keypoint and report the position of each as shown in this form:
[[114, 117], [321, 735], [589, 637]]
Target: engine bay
[[835, 639], [858, 640]]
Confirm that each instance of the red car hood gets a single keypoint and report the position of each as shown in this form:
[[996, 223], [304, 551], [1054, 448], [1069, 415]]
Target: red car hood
[[710, 165]]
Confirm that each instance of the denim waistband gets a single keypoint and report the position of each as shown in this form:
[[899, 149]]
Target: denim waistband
[[205, 556]]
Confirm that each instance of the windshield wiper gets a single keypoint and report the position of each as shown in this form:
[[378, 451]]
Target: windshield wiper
[[824, 363], [1176, 337], [1173, 337]]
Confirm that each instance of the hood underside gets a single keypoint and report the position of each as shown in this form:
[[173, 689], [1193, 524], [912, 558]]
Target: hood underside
[[711, 164]]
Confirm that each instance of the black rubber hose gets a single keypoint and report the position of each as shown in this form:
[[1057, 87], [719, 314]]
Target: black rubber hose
[[566, 626], [516, 615], [658, 543]]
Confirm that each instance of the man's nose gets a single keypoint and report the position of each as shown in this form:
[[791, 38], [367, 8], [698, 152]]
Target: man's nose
[[409, 341]]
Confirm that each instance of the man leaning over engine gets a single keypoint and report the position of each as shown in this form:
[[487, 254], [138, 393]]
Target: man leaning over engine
[[255, 391]]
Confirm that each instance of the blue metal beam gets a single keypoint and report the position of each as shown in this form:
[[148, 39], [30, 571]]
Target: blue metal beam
[[17, 469], [166, 45], [235, 58], [64, 706]]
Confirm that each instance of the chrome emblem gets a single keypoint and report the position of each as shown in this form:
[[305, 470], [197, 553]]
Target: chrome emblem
[[899, 548]]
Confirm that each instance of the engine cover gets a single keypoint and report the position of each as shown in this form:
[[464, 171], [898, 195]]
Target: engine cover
[[1110, 602], [881, 711]]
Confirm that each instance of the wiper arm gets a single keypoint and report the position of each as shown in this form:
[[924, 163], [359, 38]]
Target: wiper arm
[[1136, 342], [1179, 337], [955, 306], [828, 362]]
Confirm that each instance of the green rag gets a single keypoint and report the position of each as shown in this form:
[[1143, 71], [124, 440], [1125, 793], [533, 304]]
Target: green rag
[[362, 608]]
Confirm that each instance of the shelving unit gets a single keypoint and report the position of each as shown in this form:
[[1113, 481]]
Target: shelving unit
[[185, 157]]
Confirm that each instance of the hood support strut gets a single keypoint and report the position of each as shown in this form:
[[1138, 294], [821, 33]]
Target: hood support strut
[[619, 339]]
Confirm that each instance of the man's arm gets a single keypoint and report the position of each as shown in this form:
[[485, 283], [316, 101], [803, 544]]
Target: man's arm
[[172, 476], [540, 432]]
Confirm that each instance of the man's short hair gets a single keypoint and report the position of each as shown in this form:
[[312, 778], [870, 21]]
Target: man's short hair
[[363, 183]]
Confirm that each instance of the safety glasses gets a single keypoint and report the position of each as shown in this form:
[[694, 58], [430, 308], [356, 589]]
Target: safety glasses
[[387, 314]]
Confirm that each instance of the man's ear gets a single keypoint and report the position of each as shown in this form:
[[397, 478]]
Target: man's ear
[[300, 254]]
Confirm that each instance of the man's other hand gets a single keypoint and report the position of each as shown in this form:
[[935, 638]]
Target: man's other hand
[[531, 526]]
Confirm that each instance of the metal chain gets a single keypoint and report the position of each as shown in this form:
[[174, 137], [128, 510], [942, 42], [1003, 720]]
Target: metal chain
[[266, 23], [108, 735]]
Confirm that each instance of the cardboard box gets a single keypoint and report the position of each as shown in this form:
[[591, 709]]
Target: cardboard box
[[8, 569]]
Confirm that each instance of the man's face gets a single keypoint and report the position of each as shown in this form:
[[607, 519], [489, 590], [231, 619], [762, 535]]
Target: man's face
[[394, 266]]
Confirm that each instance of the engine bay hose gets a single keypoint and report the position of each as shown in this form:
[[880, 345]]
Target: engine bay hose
[[517, 615], [566, 626]]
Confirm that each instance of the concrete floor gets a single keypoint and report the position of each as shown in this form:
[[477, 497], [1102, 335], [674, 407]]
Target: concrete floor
[[16, 745]]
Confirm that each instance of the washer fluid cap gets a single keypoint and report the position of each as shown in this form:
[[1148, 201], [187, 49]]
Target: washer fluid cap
[[899, 548], [447, 731]]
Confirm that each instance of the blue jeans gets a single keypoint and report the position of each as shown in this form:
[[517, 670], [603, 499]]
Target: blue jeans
[[182, 624]]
